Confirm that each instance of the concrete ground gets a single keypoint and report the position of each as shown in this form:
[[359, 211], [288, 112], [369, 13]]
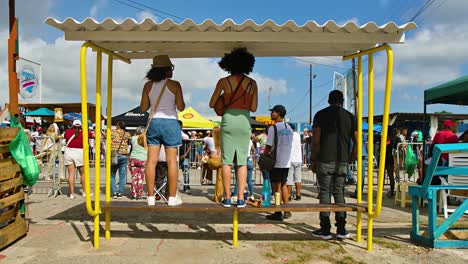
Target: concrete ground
[[61, 232]]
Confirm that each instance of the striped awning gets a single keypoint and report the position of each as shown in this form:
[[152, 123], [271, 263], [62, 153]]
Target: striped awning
[[145, 39]]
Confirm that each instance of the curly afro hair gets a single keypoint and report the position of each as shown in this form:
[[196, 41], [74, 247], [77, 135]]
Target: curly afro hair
[[239, 61]]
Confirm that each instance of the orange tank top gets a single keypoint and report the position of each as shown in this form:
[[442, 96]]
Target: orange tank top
[[241, 98]]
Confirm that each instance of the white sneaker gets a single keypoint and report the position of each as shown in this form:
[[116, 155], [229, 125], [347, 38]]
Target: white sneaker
[[72, 196], [151, 201], [174, 201], [84, 194]]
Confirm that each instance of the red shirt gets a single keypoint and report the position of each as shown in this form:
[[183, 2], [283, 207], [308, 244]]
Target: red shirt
[[76, 142], [445, 137]]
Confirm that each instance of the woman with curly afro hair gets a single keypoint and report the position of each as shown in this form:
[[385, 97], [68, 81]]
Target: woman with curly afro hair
[[239, 95]]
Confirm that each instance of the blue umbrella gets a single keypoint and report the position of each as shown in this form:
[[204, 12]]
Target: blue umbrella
[[40, 112], [75, 116], [377, 127]]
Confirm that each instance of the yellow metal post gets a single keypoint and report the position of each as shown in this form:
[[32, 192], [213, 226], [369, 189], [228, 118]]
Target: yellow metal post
[[359, 152], [235, 228], [97, 174], [383, 142], [84, 117], [108, 141], [370, 149]]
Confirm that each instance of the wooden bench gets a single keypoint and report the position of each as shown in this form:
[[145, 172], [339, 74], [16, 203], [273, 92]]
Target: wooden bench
[[217, 208]]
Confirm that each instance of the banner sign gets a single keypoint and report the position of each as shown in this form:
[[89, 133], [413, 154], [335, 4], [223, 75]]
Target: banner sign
[[58, 117], [29, 83]]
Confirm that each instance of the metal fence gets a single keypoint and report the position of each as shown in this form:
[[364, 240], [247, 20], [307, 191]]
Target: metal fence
[[400, 157], [50, 160]]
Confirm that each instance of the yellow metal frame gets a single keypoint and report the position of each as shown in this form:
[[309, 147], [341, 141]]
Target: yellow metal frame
[[95, 213], [371, 214], [370, 148]]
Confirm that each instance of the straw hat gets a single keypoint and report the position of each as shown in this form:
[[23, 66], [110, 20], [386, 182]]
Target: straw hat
[[161, 61]]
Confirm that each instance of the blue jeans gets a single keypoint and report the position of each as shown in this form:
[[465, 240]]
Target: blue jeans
[[122, 167], [249, 177], [363, 174], [331, 179]]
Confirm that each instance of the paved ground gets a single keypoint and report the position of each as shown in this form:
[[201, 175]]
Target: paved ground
[[61, 232]]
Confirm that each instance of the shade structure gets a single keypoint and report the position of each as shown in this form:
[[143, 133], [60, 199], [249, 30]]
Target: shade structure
[[377, 127], [192, 119], [40, 112], [143, 40], [132, 118], [75, 116], [452, 92]]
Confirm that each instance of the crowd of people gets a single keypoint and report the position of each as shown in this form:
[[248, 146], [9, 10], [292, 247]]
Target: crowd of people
[[327, 149]]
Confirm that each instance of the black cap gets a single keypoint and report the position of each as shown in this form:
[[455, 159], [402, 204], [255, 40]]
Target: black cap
[[279, 109], [335, 96]]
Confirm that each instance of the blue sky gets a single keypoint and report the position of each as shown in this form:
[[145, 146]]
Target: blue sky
[[434, 53]]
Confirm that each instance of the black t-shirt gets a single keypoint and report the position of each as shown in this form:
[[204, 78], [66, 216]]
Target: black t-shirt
[[337, 126]]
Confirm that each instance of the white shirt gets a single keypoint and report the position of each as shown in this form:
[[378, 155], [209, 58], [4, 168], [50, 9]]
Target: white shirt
[[209, 142], [249, 153], [167, 106], [296, 149], [285, 138]]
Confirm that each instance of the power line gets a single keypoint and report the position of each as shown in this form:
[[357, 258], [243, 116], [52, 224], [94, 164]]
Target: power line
[[154, 9], [305, 96], [422, 9], [139, 8], [315, 63]]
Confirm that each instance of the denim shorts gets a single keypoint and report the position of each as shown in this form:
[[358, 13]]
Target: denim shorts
[[164, 131]]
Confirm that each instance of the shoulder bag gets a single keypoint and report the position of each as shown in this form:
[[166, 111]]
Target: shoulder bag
[[267, 161], [220, 105], [115, 153], [142, 137]]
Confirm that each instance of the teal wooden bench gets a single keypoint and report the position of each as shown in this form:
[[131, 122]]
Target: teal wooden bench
[[434, 235]]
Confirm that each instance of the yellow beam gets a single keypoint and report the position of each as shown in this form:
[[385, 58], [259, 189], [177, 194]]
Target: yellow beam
[[84, 117], [107, 52], [370, 149], [235, 228], [383, 141], [108, 141], [366, 52], [359, 152]]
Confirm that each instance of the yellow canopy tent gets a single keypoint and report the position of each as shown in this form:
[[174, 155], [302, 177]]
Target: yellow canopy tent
[[192, 119]]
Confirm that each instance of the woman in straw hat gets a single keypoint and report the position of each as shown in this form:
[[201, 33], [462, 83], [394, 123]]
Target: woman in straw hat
[[239, 95], [166, 95]]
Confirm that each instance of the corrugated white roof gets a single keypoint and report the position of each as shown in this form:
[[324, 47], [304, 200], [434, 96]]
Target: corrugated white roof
[[142, 40]]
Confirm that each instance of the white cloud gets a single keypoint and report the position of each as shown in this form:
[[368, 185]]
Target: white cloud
[[93, 12], [144, 14], [61, 83]]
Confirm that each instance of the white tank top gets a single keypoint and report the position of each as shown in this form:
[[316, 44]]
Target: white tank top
[[167, 105]]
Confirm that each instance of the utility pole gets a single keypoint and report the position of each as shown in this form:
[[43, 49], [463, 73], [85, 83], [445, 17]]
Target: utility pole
[[13, 55], [310, 94], [269, 94], [311, 77]]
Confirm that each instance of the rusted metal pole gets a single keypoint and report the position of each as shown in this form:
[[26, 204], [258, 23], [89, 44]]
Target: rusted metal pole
[[13, 55]]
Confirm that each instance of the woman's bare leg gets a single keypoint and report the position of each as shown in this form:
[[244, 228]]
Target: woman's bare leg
[[241, 181], [172, 174], [71, 178], [227, 181], [150, 169]]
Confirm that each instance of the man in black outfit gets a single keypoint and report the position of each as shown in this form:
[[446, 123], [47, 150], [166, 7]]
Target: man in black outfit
[[333, 128]]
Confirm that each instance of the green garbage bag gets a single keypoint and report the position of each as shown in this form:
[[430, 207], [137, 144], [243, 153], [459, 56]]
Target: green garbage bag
[[411, 161], [22, 152]]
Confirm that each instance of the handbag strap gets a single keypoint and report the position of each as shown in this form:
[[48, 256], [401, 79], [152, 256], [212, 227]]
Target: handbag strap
[[275, 129], [71, 138], [153, 110], [123, 137]]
